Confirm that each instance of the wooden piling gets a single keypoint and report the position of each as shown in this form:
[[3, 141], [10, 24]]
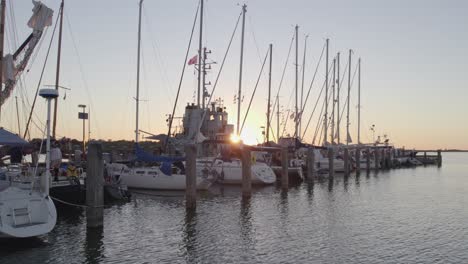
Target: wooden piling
[[358, 160], [246, 172], [439, 157], [376, 159], [190, 176], [346, 161], [310, 163], [331, 163], [368, 158], [383, 155], [95, 186], [285, 168]]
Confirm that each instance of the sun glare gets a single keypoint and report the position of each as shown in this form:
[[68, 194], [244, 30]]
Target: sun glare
[[235, 138]]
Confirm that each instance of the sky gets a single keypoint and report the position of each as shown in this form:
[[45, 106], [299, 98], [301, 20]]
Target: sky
[[413, 79]]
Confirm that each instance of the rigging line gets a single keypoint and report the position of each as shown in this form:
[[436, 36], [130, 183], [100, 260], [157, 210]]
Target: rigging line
[[346, 101], [282, 75], [316, 103], [221, 68], [320, 121], [253, 93], [285, 123], [313, 78], [252, 31], [160, 62], [40, 78], [83, 79], [182, 76]]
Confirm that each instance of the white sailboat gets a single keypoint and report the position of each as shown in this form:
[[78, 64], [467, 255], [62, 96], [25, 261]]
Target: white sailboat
[[25, 210]]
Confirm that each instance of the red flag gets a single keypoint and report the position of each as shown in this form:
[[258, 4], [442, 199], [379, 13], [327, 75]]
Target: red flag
[[193, 60]]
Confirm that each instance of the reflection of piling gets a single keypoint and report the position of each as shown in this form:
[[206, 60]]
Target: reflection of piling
[[331, 164], [95, 186], [190, 176], [358, 159], [246, 172], [346, 161], [284, 171], [310, 163]]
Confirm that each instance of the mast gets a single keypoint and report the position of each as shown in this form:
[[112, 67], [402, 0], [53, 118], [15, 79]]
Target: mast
[[338, 97], [203, 77], [200, 44], [349, 89], [2, 40], [89, 124], [302, 83], [359, 103], [269, 95], [57, 73], [277, 118], [239, 98], [326, 96], [296, 128], [137, 132], [332, 139], [17, 115]]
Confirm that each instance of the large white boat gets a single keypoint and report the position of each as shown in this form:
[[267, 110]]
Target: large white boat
[[153, 177], [229, 171]]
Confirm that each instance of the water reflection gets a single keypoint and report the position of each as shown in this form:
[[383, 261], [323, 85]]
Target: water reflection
[[246, 223], [330, 184], [190, 235], [93, 246]]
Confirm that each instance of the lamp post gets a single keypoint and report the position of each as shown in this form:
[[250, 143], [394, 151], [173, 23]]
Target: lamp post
[[83, 115], [48, 94]]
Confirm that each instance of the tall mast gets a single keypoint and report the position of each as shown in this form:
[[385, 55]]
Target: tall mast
[[2, 40], [277, 118], [326, 97], [349, 90], [239, 98], [57, 73], [302, 83], [200, 44], [359, 103], [137, 132], [203, 68], [17, 115], [296, 127], [338, 98], [332, 139], [269, 95]]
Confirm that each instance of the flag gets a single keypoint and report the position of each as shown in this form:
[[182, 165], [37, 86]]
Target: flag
[[193, 60]]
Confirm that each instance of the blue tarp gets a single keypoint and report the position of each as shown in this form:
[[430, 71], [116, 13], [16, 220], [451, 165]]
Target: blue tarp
[[9, 139], [142, 155]]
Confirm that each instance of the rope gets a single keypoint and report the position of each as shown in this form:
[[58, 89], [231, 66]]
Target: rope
[[76, 205], [253, 93]]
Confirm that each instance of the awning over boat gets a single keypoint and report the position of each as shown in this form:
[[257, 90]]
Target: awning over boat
[[9, 139], [142, 155]]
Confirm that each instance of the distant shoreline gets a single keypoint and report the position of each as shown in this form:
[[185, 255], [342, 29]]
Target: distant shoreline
[[454, 150]]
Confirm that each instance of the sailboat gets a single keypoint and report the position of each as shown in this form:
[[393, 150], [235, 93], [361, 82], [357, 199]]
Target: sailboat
[[25, 210], [160, 172]]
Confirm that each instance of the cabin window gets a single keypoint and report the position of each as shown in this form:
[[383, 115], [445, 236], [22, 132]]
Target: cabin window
[[140, 172], [152, 172]]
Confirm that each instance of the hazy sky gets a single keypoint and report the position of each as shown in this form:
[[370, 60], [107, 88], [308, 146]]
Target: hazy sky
[[414, 63]]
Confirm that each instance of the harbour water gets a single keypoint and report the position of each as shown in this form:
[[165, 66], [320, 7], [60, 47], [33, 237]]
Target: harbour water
[[415, 215]]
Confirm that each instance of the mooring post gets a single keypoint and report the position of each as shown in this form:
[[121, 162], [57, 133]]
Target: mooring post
[[346, 161], [368, 158], [310, 163], [391, 157], [331, 163], [358, 160], [425, 158], [376, 159], [285, 168], [439, 157], [95, 186], [190, 176], [246, 172]]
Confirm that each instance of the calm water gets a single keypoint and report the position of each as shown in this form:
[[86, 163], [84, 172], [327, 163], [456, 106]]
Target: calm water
[[402, 216]]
